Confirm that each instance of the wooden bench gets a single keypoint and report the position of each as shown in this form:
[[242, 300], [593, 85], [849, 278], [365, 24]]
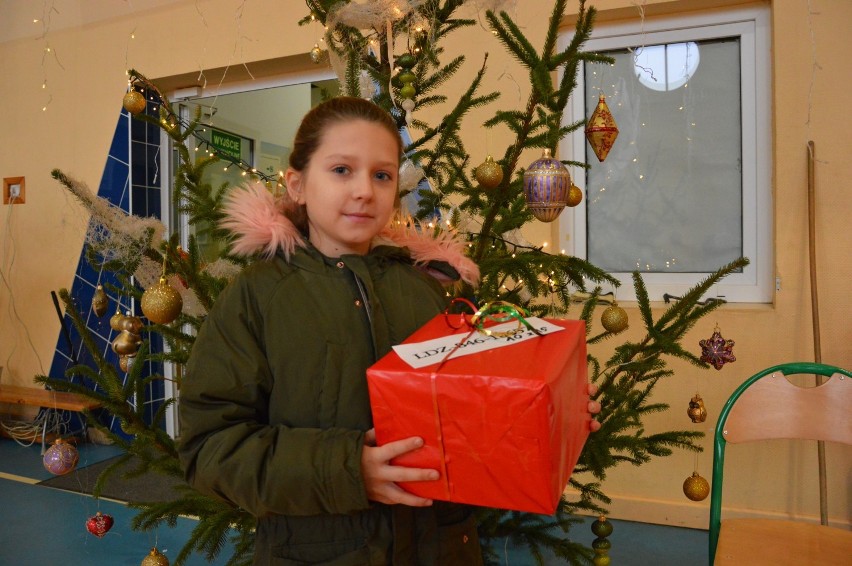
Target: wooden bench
[[50, 400]]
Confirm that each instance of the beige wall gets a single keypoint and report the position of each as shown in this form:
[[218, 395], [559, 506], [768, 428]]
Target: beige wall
[[812, 92]]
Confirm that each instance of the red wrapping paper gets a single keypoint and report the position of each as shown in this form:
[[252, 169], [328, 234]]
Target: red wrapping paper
[[504, 427]]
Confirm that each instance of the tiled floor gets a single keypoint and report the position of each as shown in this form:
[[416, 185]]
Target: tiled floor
[[47, 526]]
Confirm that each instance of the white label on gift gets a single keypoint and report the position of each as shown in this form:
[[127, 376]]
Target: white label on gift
[[422, 354]]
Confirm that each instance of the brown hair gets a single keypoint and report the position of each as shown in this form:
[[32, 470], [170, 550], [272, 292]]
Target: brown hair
[[313, 127]]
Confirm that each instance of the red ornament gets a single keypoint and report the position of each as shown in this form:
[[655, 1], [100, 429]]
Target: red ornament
[[184, 256], [99, 525], [717, 351], [601, 129]]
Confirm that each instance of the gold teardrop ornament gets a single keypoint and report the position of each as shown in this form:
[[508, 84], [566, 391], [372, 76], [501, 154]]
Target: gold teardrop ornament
[[100, 301]]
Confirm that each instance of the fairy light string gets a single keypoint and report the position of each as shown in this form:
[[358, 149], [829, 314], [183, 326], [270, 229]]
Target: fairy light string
[[48, 8], [171, 120]]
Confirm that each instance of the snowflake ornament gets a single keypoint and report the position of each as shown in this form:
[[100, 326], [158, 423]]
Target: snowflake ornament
[[717, 351]]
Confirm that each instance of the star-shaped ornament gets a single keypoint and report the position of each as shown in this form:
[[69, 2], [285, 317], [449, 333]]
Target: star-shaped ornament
[[717, 351]]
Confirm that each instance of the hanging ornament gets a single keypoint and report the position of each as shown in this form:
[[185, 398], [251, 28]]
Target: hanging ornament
[[126, 344], [100, 524], [696, 410], [316, 53], [546, 184], [100, 301], [126, 362], [115, 320], [131, 324], [696, 488], [128, 341], [601, 529], [161, 303], [488, 174], [184, 257], [601, 130], [134, 102], [406, 62], [155, 558], [717, 351], [575, 195], [61, 458], [614, 318]]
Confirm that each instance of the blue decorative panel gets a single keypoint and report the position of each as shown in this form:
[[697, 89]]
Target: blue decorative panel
[[141, 141]]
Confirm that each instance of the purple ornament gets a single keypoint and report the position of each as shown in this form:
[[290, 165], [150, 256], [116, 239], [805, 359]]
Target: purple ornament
[[717, 351], [546, 187], [61, 458]]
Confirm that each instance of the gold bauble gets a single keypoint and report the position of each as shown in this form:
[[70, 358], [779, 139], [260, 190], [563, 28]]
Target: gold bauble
[[161, 303], [575, 195], [155, 558], [115, 321], [134, 102], [696, 488], [489, 174], [126, 344], [601, 130], [614, 318], [696, 410], [100, 301], [316, 54]]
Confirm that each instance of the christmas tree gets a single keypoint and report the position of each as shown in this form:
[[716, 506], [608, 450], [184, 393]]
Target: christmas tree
[[487, 205]]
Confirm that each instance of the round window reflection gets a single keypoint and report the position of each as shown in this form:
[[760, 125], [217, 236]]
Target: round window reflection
[[666, 67]]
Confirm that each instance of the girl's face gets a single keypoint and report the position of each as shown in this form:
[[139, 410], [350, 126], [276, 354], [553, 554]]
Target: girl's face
[[348, 187]]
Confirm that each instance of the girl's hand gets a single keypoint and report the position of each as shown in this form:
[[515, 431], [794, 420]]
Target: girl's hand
[[594, 409], [380, 476]]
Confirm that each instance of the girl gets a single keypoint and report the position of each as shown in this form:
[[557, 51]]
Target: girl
[[274, 410]]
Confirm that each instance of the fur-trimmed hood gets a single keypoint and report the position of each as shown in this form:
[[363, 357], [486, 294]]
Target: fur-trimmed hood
[[260, 225]]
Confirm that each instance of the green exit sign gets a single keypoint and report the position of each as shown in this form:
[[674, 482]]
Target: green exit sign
[[226, 143]]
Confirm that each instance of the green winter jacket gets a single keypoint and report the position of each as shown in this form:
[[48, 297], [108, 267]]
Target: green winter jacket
[[274, 407]]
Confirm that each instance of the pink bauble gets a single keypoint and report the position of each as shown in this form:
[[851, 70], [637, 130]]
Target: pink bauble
[[61, 458]]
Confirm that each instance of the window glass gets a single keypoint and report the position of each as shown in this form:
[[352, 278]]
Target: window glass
[[668, 197], [685, 188]]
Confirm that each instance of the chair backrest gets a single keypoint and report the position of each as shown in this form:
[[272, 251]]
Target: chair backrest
[[767, 406]]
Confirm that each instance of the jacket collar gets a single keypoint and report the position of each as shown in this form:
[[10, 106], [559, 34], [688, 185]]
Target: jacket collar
[[260, 227]]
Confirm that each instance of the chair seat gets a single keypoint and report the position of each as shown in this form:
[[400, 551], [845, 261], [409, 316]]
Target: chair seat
[[775, 542]]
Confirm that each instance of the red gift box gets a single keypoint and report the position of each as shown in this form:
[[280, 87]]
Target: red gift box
[[504, 427]]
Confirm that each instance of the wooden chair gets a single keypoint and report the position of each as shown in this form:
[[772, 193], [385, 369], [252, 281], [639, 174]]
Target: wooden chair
[[767, 406]]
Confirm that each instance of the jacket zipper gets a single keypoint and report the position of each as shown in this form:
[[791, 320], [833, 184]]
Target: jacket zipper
[[368, 309]]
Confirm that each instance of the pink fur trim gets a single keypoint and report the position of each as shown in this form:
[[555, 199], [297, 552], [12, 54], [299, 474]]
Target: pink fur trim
[[258, 222], [259, 225], [445, 246]]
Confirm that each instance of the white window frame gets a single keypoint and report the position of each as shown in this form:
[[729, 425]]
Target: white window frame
[[167, 185], [751, 24]]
